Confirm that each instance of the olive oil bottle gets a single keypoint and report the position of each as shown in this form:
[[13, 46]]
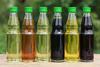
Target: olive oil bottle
[[71, 37], [43, 36], [13, 37]]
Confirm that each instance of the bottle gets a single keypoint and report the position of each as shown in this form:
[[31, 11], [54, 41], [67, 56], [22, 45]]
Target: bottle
[[43, 36], [13, 37], [86, 36], [57, 37], [28, 37], [72, 37]]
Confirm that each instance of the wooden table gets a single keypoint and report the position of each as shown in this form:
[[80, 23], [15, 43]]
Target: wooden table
[[96, 63]]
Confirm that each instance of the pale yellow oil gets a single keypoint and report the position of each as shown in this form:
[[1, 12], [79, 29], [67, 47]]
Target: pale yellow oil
[[13, 48], [43, 47]]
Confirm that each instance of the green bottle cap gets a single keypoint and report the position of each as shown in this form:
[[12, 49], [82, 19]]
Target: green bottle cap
[[28, 9], [57, 9], [86, 9], [14, 9], [43, 9], [72, 9]]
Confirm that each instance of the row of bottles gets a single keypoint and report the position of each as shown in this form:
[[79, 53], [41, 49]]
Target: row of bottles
[[26, 44]]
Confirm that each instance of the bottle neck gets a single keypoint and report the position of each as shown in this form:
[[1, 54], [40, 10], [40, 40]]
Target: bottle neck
[[72, 15], [72, 21], [12, 15], [27, 23], [86, 14], [13, 22], [43, 14], [42, 25], [28, 16], [57, 25], [86, 22], [72, 25], [57, 15], [43, 17]]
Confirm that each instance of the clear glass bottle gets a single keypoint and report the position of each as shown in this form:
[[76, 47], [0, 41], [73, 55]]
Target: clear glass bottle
[[28, 37], [13, 37], [72, 37], [86, 37], [57, 37], [43, 36]]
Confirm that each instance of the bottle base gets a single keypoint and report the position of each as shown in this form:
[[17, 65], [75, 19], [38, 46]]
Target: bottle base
[[28, 60], [42, 59], [72, 60], [13, 60], [58, 61], [86, 60]]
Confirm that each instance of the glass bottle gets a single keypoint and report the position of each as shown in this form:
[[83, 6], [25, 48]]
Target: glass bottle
[[86, 36], [13, 37], [72, 37], [57, 37], [43, 36], [28, 36]]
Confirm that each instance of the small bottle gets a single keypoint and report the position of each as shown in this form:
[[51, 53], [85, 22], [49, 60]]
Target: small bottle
[[28, 37], [43, 36], [86, 36], [13, 37], [72, 37], [57, 37]]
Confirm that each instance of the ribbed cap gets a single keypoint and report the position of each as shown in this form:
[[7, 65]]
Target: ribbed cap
[[14, 9], [57, 9], [43, 9], [28, 9], [86, 9], [72, 9]]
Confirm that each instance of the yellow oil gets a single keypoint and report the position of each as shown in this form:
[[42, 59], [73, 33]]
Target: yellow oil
[[72, 47], [71, 39]]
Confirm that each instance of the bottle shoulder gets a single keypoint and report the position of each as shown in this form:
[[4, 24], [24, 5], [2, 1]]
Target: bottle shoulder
[[57, 32], [71, 31], [13, 20], [86, 21], [42, 33], [13, 32], [87, 32]]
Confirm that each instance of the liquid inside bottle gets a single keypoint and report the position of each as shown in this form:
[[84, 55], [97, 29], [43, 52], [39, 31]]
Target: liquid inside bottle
[[28, 37], [86, 36], [43, 37], [57, 37], [13, 37], [72, 37]]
